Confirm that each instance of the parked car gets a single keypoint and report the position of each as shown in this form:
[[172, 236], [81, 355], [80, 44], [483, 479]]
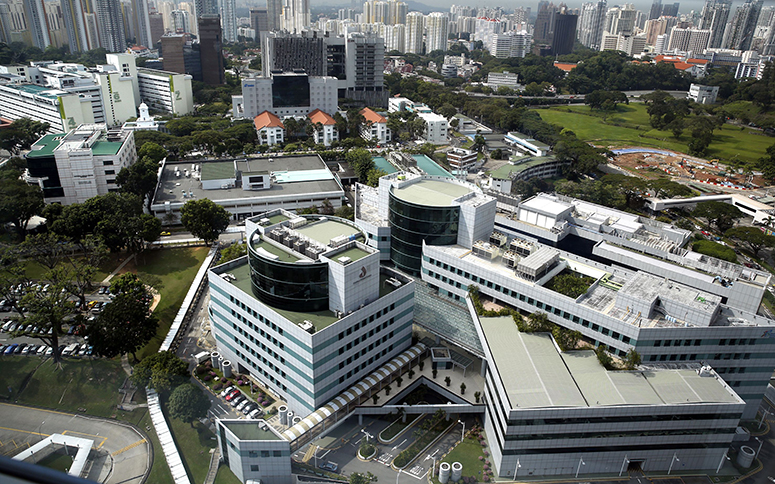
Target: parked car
[[329, 466], [42, 350], [231, 395], [30, 350], [49, 351], [227, 390], [10, 349], [249, 408], [237, 400], [2, 348], [242, 405], [20, 348], [255, 413], [89, 350]]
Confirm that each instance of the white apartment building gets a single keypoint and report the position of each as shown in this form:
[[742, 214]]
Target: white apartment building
[[437, 28], [436, 127], [686, 40], [414, 32], [374, 127], [80, 165], [166, 91], [395, 37], [505, 78], [325, 127], [270, 129], [629, 44]]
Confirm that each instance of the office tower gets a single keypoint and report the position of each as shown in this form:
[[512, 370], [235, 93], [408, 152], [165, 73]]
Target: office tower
[[56, 28], [437, 25], [592, 23], [156, 22], [210, 49], [259, 21], [715, 14], [542, 31], [656, 10], [273, 10], [564, 32], [284, 51], [685, 40], [414, 32], [206, 7], [172, 51], [657, 27], [35, 14], [670, 10], [229, 20], [295, 15], [75, 25], [739, 34], [181, 21], [5, 23], [513, 43], [141, 23], [110, 21]]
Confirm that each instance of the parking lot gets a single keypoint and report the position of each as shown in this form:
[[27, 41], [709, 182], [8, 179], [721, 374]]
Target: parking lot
[[71, 342]]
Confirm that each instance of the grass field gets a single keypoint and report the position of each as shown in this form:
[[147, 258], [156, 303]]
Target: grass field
[[36, 271], [629, 126], [467, 453], [57, 461], [175, 269], [194, 443], [226, 476]]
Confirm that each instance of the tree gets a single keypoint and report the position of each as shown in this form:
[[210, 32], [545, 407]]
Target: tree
[[19, 201], [125, 324], [399, 381], [204, 219], [359, 478], [161, 371], [767, 163], [462, 388], [21, 134], [603, 357], [722, 215], [448, 380], [188, 403], [152, 151], [477, 396], [632, 359], [753, 237], [234, 251], [140, 178], [479, 143], [361, 162]]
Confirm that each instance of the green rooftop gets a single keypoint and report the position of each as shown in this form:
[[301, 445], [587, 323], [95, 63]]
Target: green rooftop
[[276, 219], [282, 255], [353, 253], [431, 192], [105, 148], [250, 430], [504, 171], [45, 146], [326, 230], [220, 170]]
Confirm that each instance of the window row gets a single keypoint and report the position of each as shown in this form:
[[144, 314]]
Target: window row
[[364, 322], [366, 336], [363, 352], [258, 343], [256, 315], [365, 364]]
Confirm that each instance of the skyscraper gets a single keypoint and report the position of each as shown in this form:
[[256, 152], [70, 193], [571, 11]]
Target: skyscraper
[[621, 20], [685, 40], [564, 32], [110, 21], [715, 14], [437, 25], [229, 20], [157, 26], [656, 10], [141, 23], [542, 31], [206, 7], [75, 25], [739, 33], [259, 21], [273, 10], [295, 15], [670, 10], [414, 31], [37, 23], [591, 24], [210, 49]]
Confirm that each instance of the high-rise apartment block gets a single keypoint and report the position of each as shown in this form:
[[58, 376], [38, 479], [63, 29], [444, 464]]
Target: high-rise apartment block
[[414, 32], [110, 21], [437, 28], [715, 14], [141, 23], [229, 20], [689, 40], [295, 15], [591, 24], [740, 31]]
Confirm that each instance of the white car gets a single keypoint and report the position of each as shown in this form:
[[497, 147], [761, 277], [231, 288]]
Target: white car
[[42, 350], [255, 413], [227, 391], [242, 404], [50, 351]]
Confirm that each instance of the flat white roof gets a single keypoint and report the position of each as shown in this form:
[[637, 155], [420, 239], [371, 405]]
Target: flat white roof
[[545, 205]]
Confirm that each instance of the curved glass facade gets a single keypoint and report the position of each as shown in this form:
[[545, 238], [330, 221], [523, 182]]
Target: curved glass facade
[[410, 224], [288, 285]]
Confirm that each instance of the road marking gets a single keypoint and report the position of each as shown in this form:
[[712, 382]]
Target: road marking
[[104, 439], [24, 431], [38, 409], [128, 447], [399, 445]]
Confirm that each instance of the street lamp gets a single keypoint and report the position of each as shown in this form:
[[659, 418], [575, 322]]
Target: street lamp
[[398, 475], [624, 462], [721, 462], [578, 467], [764, 414], [675, 459], [516, 469], [761, 442], [462, 435]]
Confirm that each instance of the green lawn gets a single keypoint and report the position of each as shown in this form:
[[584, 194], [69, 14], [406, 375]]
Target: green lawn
[[194, 444], [630, 126], [396, 427], [90, 384], [175, 269], [36, 271], [467, 453], [226, 476], [57, 461]]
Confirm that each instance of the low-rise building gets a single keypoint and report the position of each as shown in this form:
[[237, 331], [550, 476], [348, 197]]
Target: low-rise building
[[270, 129], [505, 78], [286, 94], [374, 127], [436, 126], [703, 94], [462, 159], [325, 127], [166, 91], [524, 168], [71, 168], [247, 186], [523, 144], [254, 451], [449, 70]]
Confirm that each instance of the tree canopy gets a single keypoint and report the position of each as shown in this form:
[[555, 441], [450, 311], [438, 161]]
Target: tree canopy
[[722, 215], [161, 371], [204, 219], [188, 403], [21, 134], [19, 201], [754, 237]]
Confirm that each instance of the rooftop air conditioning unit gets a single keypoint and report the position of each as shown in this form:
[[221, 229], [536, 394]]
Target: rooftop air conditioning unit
[[344, 260]]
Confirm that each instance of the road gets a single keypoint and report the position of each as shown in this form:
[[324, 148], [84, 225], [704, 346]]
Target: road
[[120, 453]]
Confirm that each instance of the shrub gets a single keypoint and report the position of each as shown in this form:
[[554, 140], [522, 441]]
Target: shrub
[[486, 478], [207, 378], [486, 467], [240, 382], [200, 369], [481, 458], [217, 386], [714, 249], [486, 454]]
